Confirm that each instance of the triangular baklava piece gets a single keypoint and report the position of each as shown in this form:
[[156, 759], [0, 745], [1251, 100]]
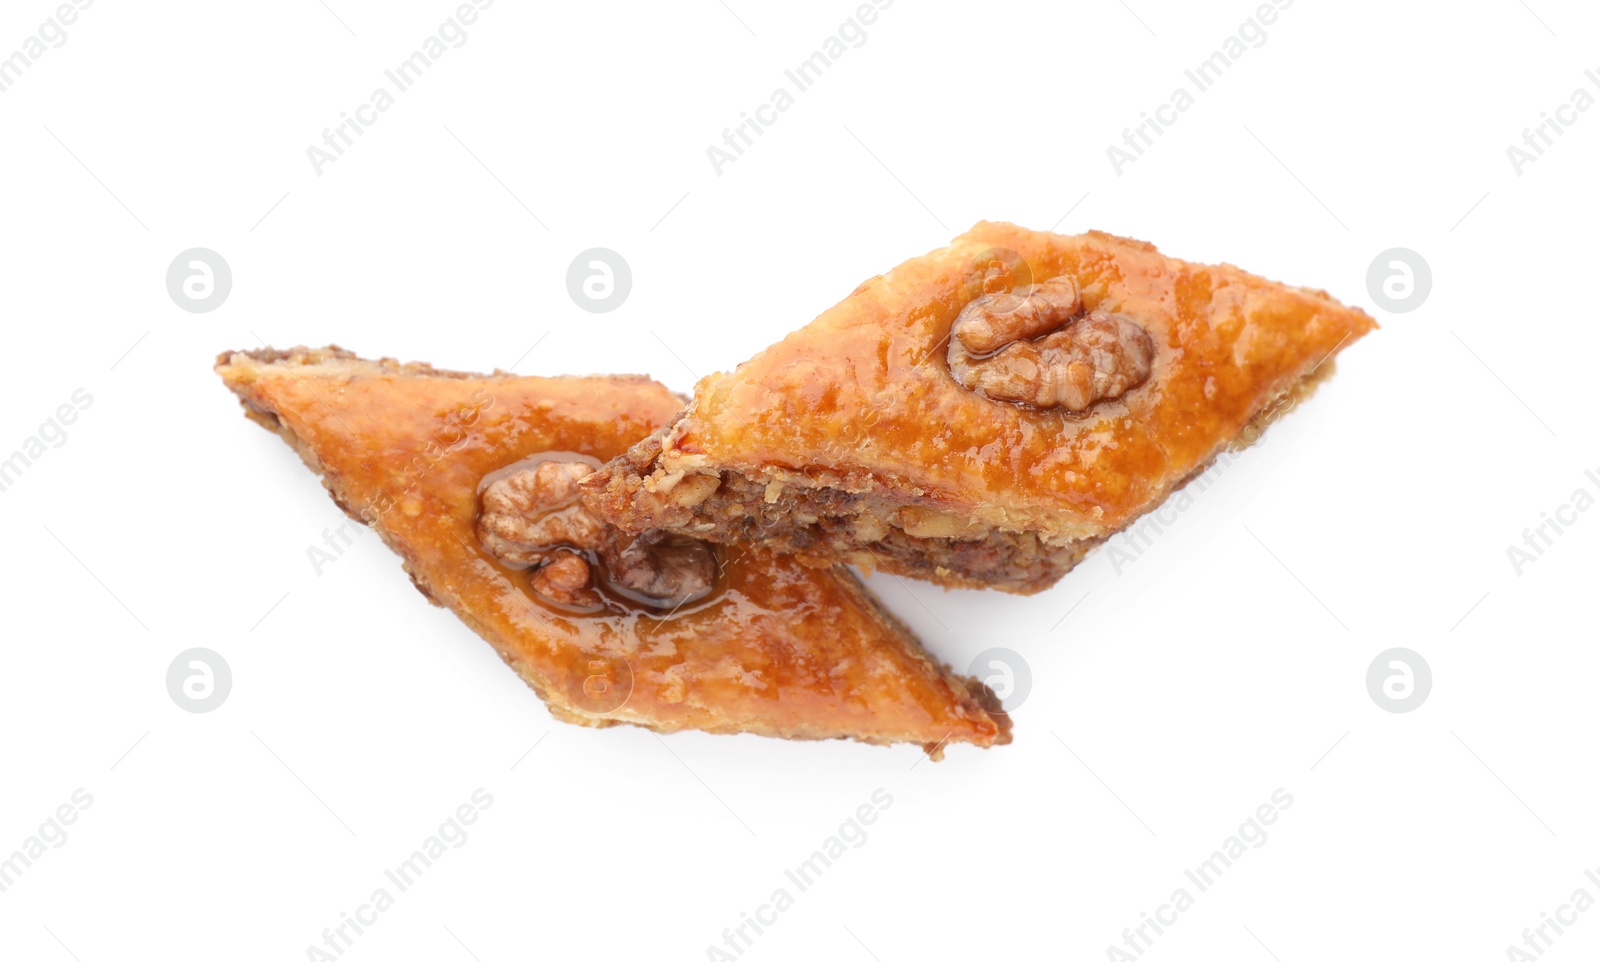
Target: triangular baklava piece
[[472, 479], [983, 415]]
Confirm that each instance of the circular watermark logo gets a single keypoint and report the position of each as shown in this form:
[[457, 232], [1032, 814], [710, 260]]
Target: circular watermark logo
[[199, 680], [599, 683], [1399, 280], [1399, 680], [599, 280], [1006, 673], [199, 280], [995, 271]]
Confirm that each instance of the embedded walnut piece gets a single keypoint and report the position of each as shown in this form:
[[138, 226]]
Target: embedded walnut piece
[[565, 580], [670, 569], [527, 514], [999, 318], [533, 517], [1033, 346]]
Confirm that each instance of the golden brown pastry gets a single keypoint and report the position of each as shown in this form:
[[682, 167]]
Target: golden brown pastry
[[471, 479], [983, 415]]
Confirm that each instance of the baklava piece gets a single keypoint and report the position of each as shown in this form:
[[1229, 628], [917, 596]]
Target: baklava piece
[[473, 481], [984, 415]]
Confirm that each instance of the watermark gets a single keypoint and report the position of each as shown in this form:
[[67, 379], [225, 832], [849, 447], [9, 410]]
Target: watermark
[[1552, 126], [52, 435], [598, 280], [1131, 544], [51, 835], [1251, 35], [334, 543], [852, 834], [1399, 680], [851, 35], [451, 834], [1554, 924], [199, 280], [337, 542], [51, 35], [451, 35], [1006, 673], [199, 680], [407, 476], [1252, 834], [1399, 280], [996, 271], [1552, 525], [599, 683]]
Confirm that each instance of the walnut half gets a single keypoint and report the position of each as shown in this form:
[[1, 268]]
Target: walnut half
[[532, 516], [1034, 345]]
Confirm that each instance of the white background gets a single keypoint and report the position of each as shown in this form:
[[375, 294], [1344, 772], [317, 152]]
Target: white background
[[1176, 696]]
